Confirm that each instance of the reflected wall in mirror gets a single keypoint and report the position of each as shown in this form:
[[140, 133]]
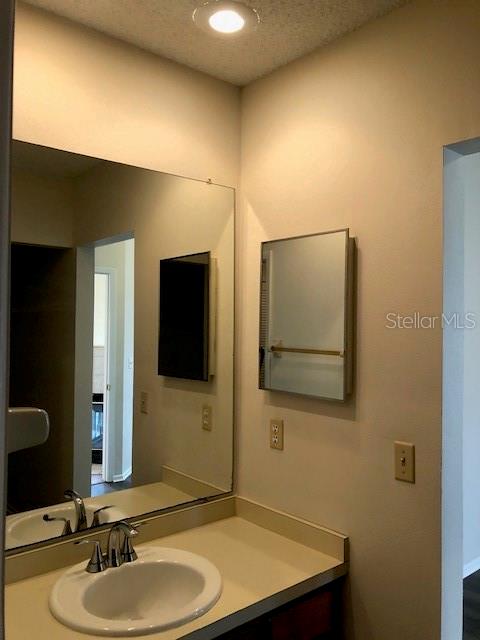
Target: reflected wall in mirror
[[306, 315], [88, 236]]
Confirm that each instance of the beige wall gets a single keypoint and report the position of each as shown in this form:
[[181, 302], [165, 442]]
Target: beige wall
[[42, 209], [77, 90], [352, 136]]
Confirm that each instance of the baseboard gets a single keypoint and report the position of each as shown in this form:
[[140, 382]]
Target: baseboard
[[471, 567], [120, 477]]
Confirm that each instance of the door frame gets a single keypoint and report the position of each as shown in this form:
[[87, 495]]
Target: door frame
[[452, 562], [109, 391]]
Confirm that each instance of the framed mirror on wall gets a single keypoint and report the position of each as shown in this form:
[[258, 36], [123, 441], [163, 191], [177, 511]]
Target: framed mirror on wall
[[307, 315], [122, 337]]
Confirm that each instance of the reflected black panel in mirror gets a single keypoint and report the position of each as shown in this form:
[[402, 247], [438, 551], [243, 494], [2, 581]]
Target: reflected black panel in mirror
[[306, 315], [88, 410], [183, 341]]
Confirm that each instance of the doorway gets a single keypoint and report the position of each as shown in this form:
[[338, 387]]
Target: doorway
[[461, 411], [113, 369]]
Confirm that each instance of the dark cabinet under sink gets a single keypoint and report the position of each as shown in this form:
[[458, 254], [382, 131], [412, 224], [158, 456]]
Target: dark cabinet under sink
[[315, 616]]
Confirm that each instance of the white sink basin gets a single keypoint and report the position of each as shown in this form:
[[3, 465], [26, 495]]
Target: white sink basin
[[164, 588], [30, 527]]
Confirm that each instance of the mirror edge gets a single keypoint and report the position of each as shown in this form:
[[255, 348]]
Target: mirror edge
[[101, 529], [350, 316], [7, 12]]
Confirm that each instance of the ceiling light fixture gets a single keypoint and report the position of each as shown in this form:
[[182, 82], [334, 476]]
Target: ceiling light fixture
[[226, 21], [226, 17]]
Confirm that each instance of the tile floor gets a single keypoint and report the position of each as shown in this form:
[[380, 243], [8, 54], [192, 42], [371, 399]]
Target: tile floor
[[101, 488]]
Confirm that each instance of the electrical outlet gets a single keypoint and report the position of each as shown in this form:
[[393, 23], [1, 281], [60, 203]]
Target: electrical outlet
[[144, 402], [405, 461], [207, 417], [276, 434]]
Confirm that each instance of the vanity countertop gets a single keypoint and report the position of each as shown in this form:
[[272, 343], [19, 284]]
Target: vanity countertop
[[261, 570]]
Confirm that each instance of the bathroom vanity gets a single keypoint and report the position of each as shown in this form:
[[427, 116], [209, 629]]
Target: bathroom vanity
[[282, 577]]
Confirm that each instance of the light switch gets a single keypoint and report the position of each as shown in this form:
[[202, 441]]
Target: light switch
[[405, 461]]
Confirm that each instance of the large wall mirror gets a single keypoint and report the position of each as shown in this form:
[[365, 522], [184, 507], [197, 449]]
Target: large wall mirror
[[121, 349], [307, 315]]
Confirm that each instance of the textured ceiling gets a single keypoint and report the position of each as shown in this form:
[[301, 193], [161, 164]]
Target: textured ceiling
[[288, 30]]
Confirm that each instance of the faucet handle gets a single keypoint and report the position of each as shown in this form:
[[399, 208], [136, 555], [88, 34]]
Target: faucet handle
[[96, 516], [128, 552], [97, 562], [67, 527]]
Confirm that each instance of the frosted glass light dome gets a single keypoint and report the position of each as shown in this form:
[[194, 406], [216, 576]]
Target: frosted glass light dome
[[226, 18]]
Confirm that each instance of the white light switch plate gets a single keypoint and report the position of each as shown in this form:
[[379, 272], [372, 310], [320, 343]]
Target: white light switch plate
[[405, 461]]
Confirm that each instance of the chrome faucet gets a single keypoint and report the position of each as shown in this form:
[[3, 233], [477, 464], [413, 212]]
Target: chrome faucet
[[80, 513], [117, 553]]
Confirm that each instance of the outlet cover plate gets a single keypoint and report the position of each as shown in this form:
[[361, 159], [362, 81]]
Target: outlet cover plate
[[276, 434], [207, 417]]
